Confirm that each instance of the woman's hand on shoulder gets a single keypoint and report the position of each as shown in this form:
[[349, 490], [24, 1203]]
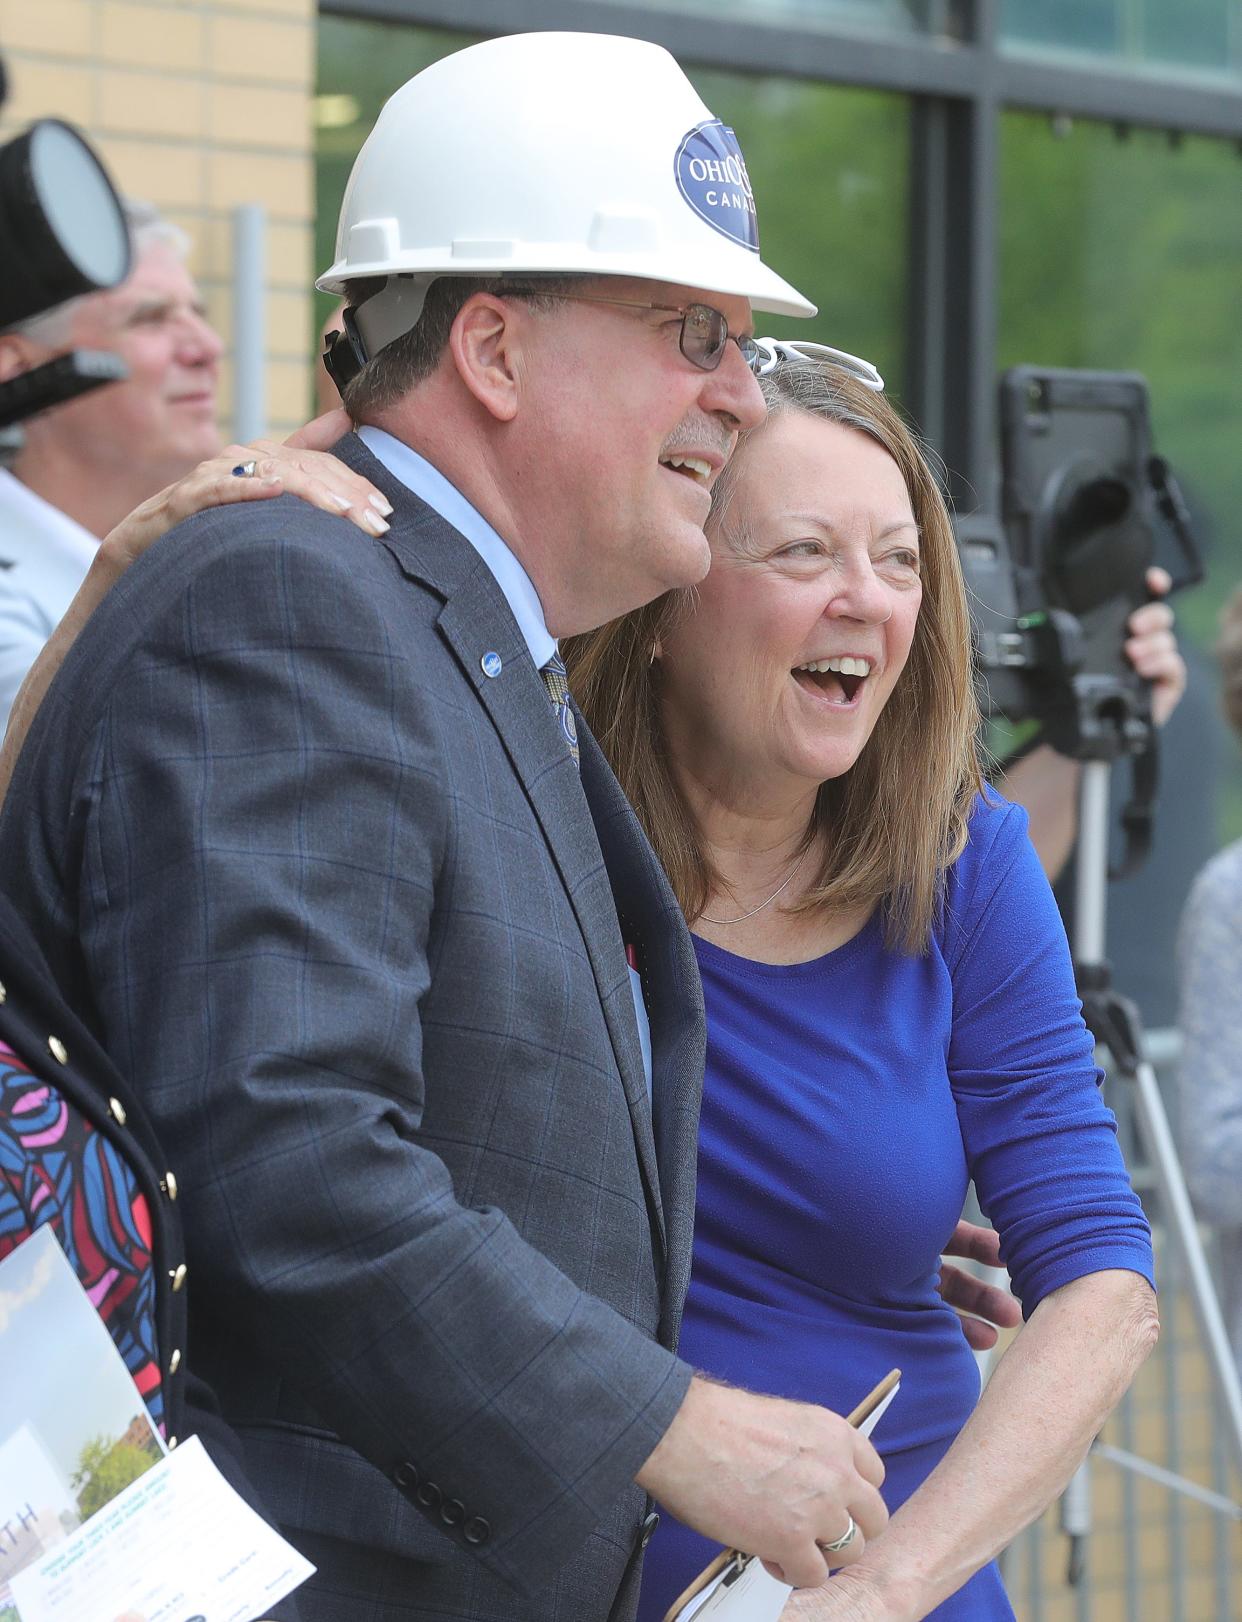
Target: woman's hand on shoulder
[[301, 466]]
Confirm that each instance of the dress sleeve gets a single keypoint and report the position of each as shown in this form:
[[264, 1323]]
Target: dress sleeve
[[1210, 1081], [1041, 1146]]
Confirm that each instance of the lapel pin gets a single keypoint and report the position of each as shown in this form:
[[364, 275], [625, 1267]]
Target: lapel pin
[[491, 664]]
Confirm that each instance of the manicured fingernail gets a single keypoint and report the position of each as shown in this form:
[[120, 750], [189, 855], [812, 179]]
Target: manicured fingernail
[[343, 502], [381, 504], [375, 523]]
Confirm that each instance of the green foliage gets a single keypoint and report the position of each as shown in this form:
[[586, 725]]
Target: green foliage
[[105, 1468]]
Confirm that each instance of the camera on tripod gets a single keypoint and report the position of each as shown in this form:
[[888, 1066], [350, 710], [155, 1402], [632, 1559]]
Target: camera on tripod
[[62, 233], [1083, 500]]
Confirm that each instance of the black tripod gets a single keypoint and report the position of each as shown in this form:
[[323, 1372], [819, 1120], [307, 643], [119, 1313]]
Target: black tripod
[[1114, 1022]]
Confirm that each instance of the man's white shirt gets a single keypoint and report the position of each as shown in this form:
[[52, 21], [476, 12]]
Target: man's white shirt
[[44, 557]]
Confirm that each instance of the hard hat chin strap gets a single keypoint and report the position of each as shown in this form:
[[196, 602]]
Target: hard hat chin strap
[[372, 325]]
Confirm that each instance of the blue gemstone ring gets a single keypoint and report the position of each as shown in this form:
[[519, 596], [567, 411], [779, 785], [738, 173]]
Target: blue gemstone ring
[[244, 470]]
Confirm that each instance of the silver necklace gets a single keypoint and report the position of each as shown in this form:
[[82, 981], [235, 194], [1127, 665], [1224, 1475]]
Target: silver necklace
[[789, 878]]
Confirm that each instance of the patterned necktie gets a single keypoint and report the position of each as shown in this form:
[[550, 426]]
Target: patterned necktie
[[555, 681]]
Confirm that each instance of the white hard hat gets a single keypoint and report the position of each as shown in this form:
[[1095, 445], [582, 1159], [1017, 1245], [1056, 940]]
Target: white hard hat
[[552, 153]]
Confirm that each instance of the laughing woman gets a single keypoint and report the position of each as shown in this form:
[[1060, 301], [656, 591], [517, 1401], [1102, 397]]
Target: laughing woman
[[890, 1003]]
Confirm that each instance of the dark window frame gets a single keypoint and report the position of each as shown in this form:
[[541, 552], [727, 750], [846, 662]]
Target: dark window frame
[[961, 81]]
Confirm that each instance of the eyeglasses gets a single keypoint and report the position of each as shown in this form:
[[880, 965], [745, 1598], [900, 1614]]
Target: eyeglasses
[[769, 352], [704, 331]]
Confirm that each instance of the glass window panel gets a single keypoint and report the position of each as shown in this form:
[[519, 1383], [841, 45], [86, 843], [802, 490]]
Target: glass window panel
[[1201, 35], [828, 166], [863, 16], [1123, 255]]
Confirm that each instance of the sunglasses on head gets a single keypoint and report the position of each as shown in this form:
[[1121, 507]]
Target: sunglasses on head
[[770, 352]]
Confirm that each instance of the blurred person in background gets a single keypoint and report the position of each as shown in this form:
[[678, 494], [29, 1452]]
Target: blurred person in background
[[1209, 970], [86, 464]]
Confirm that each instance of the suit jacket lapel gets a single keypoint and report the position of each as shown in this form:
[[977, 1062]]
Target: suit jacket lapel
[[476, 620], [522, 714]]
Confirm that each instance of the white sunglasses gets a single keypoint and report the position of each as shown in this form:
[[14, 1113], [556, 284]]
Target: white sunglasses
[[769, 352]]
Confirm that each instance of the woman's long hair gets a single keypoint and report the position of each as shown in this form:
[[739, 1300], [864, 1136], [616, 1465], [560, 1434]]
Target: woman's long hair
[[892, 824]]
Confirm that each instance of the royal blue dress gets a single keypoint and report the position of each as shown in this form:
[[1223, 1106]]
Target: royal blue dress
[[847, 1103]]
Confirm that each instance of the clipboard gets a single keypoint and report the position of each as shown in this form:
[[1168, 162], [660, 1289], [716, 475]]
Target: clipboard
[[740, 1581]]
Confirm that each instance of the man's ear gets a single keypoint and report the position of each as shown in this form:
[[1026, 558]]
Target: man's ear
[[486, 345], [17, 355]]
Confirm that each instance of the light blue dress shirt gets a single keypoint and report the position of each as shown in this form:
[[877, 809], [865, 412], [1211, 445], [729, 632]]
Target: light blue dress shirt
[[416, 473], [427, 482]]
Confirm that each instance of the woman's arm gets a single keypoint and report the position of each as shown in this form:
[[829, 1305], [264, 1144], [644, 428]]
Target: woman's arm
[[1043, 1152], [299, 467], [1044, 1404], [1046, 785]]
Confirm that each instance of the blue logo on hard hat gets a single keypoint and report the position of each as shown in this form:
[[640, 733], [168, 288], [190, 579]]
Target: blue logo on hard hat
[[711, 176]]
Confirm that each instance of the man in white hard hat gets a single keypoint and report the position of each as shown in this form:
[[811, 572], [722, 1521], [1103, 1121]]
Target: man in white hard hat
[[317, 846], [85, 465]]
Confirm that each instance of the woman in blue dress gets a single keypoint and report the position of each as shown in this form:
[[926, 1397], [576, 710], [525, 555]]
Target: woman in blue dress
[[890, 1003]]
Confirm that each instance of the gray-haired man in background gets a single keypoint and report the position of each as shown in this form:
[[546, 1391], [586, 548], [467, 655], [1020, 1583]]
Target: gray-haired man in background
[[85, 465]]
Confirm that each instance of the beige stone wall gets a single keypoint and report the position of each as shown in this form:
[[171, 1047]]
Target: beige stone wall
[[197, 106]]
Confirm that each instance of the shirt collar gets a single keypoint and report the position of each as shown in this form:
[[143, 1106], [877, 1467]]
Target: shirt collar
[[427, 482]]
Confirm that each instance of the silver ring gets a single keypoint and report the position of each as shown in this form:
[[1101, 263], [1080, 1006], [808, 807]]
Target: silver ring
[[244, 470], [843, 1542]]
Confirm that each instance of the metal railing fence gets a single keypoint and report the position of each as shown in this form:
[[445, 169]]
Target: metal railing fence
[[1153, 1555]]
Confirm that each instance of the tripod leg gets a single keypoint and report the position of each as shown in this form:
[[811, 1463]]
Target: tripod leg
[[1076, 1520]]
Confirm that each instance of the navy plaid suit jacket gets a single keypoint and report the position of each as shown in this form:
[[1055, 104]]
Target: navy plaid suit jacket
[[344, 910]]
